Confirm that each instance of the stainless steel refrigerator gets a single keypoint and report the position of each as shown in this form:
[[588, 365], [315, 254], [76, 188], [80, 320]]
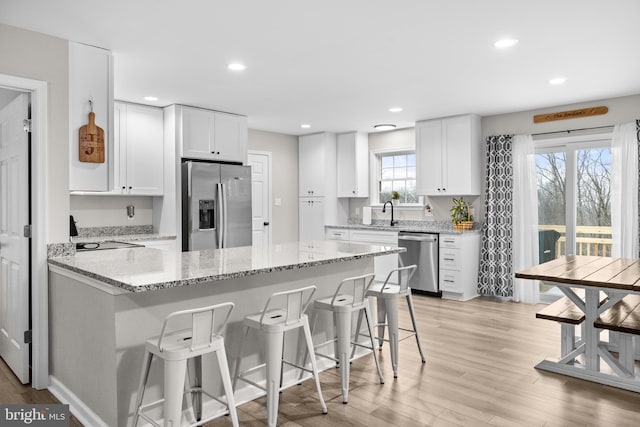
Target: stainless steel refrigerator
[[216, 205]]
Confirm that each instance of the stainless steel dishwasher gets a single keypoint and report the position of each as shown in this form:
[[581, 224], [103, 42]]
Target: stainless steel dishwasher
[[422, 250]]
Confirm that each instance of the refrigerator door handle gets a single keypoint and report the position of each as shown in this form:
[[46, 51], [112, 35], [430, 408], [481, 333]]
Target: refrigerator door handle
[[225, 221], [221, 217]]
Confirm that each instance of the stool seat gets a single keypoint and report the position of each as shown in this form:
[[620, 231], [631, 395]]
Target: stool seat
[[273, 320], [179, 348], [177, 345], [384, 289], [341, 302]]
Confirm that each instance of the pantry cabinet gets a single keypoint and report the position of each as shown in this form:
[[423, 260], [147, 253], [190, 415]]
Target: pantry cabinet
[[318, 202], [312, 218], [138, 167], [448, 156], [315, 153], [212, 135], [353, 165]]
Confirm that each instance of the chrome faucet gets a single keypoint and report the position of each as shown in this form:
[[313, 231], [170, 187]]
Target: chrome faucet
[[384, 210]]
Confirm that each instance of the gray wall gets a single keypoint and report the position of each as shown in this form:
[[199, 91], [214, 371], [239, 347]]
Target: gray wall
[[621, 110], [284, 181], [40, 57]]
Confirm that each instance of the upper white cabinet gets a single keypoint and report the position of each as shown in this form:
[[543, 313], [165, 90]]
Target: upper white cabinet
[[315, 153], [138, 168], [90, 78], [448, 156], [212, 135], [353, 165]]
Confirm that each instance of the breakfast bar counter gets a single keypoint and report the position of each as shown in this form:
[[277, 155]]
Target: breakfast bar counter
[[103, 306]]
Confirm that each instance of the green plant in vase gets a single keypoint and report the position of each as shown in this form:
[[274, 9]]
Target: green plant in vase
[[395, 196], [461, 214]]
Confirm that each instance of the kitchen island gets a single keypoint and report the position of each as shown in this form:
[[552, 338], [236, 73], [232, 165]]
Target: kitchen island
[[103, 306]]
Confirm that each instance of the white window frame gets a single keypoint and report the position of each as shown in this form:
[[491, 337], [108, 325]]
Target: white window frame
[[374, 168]]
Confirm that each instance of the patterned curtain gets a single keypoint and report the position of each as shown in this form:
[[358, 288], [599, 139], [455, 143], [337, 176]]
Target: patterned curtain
[[496, 255]]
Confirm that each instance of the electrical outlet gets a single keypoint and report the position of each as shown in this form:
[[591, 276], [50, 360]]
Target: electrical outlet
[[428, 212]]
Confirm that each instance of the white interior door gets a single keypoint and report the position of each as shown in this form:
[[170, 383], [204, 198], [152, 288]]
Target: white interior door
[[261, 195], [14, 247]]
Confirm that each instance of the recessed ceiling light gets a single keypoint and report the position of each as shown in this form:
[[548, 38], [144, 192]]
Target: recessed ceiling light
[[151, 98], [557, 80], [384, 127], [505, 43], [236, 66], [305, 126], [395, 109]]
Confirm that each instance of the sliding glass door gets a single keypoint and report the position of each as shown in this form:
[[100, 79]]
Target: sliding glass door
[[574, 208]]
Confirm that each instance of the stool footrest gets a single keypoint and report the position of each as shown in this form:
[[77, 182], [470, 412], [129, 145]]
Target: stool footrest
[[190, 391]]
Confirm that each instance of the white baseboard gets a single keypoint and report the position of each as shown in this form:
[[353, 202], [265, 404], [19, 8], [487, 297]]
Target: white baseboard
[[76, 406]]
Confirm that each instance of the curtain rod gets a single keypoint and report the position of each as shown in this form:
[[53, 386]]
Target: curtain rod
[[572, 130]]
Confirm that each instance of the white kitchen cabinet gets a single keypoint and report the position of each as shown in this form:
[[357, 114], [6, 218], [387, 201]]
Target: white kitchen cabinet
[[138, 167], [353, 164], [165, 245], [459, 260], [448, 156], [382, 264], [312, 218], [319, 204], [315, 153], [212, 135], [90, 78]]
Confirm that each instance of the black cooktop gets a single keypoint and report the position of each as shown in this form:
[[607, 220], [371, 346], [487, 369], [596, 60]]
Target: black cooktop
[[97, 246]]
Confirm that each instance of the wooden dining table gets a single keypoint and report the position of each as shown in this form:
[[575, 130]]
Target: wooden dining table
[[615, 277]]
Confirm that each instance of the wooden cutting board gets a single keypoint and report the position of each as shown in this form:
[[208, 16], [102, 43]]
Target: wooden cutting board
[[91, 142]]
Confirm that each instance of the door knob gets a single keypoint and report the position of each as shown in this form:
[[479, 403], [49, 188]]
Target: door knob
[[265, 223]]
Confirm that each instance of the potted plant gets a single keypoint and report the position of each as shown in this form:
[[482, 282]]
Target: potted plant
[[461, 215], [395, 197]]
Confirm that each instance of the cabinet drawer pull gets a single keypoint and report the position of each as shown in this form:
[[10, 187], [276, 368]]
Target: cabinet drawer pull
[[449, 281], [449, 259]]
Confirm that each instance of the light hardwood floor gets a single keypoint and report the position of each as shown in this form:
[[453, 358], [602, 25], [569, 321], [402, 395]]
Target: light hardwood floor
[[479, 371]]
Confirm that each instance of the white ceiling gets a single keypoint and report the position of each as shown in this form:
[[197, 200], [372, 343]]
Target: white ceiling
[[340, 64]]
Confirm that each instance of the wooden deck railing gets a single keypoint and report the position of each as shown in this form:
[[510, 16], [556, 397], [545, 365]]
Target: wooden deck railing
[[590, 240]]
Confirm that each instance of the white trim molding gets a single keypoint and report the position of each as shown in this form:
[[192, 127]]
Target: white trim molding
[[39, 215]]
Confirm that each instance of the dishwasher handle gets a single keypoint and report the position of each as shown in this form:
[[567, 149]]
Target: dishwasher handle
[[417, 238]]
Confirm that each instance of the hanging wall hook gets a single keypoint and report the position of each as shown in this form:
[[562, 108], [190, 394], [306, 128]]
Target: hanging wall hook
[[91, 103]]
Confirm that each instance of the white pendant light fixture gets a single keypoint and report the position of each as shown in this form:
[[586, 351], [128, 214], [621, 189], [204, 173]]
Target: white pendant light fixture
[[384, 126]]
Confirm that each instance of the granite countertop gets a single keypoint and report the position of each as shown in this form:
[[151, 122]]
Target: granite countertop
[[124, 238], [427, 227], [147, 269]]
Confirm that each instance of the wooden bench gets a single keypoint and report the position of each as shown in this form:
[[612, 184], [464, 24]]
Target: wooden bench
[[623, 317], [565, 312]]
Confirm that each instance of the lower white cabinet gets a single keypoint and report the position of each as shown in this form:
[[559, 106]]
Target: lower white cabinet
[[382, 264], [459, 260], [311, 218], [165, 245]]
